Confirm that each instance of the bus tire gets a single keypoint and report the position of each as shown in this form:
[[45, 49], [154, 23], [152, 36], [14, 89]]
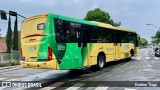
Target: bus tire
[[156, 55], [131, 55], [100, 62]]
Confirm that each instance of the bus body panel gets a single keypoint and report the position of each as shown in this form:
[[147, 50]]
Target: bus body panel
[[72, 57], [31, 38], [66, 55]]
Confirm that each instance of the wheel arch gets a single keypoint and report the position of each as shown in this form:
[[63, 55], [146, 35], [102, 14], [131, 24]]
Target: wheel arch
[[132, 52], [102, 53]]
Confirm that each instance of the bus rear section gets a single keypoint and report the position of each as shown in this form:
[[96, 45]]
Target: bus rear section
[[35, 51]]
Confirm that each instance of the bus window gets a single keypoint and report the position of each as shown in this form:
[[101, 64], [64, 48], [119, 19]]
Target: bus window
[[95, 35], [129, 38], [106, 35], [66, 31], [60, 32], [41, 26]]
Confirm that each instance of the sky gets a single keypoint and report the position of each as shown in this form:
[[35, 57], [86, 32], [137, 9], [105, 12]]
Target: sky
[[133, 14]]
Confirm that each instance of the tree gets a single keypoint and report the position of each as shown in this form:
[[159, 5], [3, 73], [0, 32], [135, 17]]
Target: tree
[[156, 38], [139, 43], [1, 37], [15, 38], [158, 34], [9, 36], [143, 41], [100, 16]]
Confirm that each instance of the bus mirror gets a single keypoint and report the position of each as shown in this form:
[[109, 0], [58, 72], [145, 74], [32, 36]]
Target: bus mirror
[[138, 37]]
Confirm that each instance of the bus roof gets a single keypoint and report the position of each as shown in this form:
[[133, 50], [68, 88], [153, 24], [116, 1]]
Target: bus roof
[[34, 17], [93, 23], [112, 27]]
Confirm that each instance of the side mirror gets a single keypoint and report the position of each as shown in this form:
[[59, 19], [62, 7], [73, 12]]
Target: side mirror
[[138, 37]]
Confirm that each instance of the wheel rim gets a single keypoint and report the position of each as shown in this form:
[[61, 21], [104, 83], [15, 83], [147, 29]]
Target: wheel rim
[[101, 63]]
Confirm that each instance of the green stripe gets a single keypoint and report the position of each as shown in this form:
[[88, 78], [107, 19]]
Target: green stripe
[[72, 56]]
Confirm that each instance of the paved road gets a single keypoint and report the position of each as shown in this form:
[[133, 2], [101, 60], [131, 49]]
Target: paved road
[[144, 67]]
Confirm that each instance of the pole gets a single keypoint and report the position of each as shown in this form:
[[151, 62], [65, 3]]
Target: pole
[[154, 26], [0, 33], [21, 16]]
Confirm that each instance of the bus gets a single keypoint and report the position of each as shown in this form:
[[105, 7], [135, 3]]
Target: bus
[[58, 42]]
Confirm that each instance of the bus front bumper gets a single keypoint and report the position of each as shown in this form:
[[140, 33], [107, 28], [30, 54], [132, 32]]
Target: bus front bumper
[[53, 64]]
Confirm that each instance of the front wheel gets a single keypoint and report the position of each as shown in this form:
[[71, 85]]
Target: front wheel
[[100, 62], [156, 55], [131, 55]]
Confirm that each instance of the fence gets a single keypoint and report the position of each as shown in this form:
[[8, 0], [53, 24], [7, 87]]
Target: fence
[[9, 58]]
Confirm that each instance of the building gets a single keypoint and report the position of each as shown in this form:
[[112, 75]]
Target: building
[[3, 47]]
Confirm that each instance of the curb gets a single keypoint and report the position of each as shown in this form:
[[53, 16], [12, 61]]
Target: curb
[[2, 68]]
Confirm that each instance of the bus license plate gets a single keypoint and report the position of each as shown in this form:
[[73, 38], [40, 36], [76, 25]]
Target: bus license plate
[[33, 58]]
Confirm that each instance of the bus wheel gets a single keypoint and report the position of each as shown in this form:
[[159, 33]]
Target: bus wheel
[[100, 62], [131, 55]]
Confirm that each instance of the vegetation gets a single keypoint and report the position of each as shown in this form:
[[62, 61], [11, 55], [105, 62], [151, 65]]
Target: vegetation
[[9, 36], [156, 38], [100, 16], [15, 38], [1, 37], [143, 42]]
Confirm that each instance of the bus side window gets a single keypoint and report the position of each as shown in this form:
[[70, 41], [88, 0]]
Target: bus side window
[[95, 35], [117, 37], [66, 31], [60, 33]]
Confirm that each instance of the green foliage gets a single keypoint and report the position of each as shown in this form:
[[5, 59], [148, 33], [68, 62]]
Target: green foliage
[[156, 38], [139, 43], [15, 38], [143, 41], [100, 16], [1, 37], [158, 34], [9, 36]]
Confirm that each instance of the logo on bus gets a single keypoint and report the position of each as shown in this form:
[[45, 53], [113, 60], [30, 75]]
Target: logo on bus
[[109, 49], [61, 47], [32, 48], [126, 46]]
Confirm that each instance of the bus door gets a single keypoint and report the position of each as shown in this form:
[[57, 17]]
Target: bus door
[[117, 45], [82, 43]]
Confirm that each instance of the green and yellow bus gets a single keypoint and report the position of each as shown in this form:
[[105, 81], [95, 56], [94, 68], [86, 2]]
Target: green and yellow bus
[[53, 41]]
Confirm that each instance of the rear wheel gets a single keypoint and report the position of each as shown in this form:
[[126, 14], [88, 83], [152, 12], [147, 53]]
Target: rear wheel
[[100, 62]]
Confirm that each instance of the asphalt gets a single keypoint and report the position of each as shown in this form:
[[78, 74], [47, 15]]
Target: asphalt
[[119, 75]]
